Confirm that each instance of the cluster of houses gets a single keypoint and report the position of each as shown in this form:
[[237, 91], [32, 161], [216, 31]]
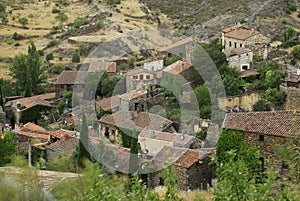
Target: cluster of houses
[[160, 144]]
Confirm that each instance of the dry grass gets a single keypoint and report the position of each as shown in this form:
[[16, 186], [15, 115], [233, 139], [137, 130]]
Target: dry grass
[[4, 71]]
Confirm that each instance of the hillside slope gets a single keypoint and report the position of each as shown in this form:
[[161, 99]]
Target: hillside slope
[[206, 18]]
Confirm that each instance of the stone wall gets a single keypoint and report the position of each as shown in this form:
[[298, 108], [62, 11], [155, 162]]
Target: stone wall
[[238, 61], [245, 102], [293, 98]]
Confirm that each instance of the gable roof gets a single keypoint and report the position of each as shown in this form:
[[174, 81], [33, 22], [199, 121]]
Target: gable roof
[[133, 94], [29, 102], [131, 120], [176, 138], [181, 157], [109, 103], [177, 44], [34, 131], [72, 77], [231, 28], [275, 123], [65, 146], [239, 32], [178, 67]]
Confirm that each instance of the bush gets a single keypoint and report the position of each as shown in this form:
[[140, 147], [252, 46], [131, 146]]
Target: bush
[[81, 21], [100, 24], [23, 21], [289, 43], [53, 43], [49, 56], [57, 69], [17, 36], [292, 7], [61, 17], [261, 106], [113, 2], [296, 52], [55, 10], [75, 57]]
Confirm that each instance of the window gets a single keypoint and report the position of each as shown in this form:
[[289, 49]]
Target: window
[[141, 77], [234, 45], [147, 77], [136, 106], [135, 77], [244, 67], [229, 43], [241, 45], [261, 138]]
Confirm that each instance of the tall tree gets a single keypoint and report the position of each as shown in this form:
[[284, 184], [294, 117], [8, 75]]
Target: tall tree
[[28, 72], [7, 148]]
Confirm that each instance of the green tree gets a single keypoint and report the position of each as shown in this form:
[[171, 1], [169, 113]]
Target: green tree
[[275, 96], [289, 32], [169, 176], [75, 57], [8, 148], [273, 79], [134, 148], [28, 72], [23, 21], [3, 14], [260, 106], [61, 17], [204, 101], [296, 52], [232, 82]]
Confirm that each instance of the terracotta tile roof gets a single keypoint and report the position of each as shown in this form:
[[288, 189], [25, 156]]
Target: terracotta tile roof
[[275, 123], [34, 131], [71, 77], [228, 29], [110, 103], [65, 146], [177, 44], [159, 74], [61, 133], [241, 33], [249, 72], [237, 51], [181, 157], [133, 94], [32, 101], [165, 136], [178, 67], [110, 67], [48, 96], [129, 119]]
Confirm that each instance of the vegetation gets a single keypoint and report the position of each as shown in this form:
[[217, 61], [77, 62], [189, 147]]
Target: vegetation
[[61, 17], [49, 56], [65, 102], [260, 106], [275, 96], [296, 52], [204, 101], [75, 57], [23, 21], [3, 14], [28, 72], [57, 69], [17, 36], [8, 148]]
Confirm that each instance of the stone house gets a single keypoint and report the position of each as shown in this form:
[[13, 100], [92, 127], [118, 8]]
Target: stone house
[[110, 104], [191, 166], [266, 130], [31, 108], [141, 78], [239, 35], [134, 100], [68, 80], [64, 147], [182, 48], [110, 126], [241, 58], [152, 142]]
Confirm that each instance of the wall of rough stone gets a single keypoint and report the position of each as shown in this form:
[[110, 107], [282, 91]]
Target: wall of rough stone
[[238, 60], [293, 98], [246, 102]]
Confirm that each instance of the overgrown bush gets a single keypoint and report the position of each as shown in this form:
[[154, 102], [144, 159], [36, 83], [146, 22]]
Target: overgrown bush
[[49, 56], [55, 10], [17, 36], [57, 69], [53, 43], [75, 57]]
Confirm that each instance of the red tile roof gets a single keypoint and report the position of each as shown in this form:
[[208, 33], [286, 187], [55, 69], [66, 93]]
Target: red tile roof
[[165, 136], [178, 67], [177, 44], [61, 133], [110, 67], [228, 29], [110, 103], [275, 123], [241, 33], [123, 119], [133, 94], [30, 102], [71, 77], [34, 131], [181, 157]]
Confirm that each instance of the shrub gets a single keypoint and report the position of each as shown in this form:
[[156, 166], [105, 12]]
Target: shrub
[[17, 36], [49, 56], [57, 69], [80, 21], [289, 43], [75, 57], [53, 43], [296, 52], [292, 7], [62, 17], [23, 21], [100, 24], [283, 21], [113, 2], [55, 10]]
